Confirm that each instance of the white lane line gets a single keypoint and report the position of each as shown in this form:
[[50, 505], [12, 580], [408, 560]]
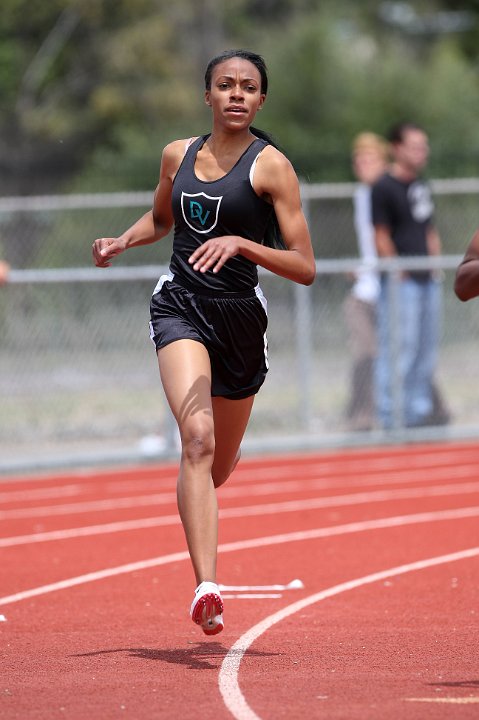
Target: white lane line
[[92, 576], [167, 498], [381, 523], [258, 592], [252, 596], [293, 585], [434, 459], [446, 700], [360, 479], [228, 676], [250, 470], [247, 511], [305, 485], [41, 493], [286, 506], [361, 498], [90, 530], [60, 491]]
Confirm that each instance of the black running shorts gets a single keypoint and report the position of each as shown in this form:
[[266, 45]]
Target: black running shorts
[[232, 327]]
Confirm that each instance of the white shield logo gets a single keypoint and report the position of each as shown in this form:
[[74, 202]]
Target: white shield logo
[[200, 211]]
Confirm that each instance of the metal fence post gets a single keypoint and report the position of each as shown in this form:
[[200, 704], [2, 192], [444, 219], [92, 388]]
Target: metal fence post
[[304, 346], [394, 348]]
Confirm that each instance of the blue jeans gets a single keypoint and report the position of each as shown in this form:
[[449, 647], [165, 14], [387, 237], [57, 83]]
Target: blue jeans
[[408, 340]]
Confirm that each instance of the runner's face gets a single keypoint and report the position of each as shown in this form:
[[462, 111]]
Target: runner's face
[[235, 93]]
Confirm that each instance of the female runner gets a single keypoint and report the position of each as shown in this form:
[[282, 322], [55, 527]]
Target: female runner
[[234, 201]]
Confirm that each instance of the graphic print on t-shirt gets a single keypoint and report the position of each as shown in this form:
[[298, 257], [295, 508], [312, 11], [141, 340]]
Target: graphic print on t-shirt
[[200, 211], [420, 201]]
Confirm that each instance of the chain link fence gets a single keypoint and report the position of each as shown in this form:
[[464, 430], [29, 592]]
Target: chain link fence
[[79, 381]]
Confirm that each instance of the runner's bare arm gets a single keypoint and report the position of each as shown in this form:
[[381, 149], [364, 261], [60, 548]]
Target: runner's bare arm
[[154, 224]]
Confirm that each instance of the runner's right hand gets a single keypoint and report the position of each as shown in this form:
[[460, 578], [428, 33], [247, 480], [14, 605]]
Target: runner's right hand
[[105, 249]]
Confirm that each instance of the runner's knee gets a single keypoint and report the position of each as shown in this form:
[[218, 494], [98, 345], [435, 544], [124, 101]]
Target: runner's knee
[[198, 444]]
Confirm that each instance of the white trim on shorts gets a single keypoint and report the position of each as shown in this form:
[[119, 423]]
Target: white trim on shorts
[[164, 278], [259, 294]]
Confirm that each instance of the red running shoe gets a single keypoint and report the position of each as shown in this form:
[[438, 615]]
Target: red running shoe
[[207, 608]]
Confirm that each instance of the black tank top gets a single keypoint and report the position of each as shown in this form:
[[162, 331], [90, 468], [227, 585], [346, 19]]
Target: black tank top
[[207, 209]]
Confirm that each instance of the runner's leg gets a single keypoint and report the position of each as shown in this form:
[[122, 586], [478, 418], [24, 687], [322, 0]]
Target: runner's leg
[[230, 421], [186, 376]]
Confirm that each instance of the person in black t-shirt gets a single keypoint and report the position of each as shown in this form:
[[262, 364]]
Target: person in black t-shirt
[[408, 328], [227, 193]]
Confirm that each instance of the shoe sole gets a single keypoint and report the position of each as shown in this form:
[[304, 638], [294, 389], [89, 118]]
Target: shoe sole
[[207, 613]]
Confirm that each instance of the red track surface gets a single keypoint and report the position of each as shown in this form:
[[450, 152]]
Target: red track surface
[[386, 543]]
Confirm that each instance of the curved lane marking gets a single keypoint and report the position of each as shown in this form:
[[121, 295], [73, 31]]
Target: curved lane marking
[[363, 526], [228, 676]]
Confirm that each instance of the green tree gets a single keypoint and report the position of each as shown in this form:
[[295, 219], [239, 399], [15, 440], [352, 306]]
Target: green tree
[[93, 89], [81, 75]]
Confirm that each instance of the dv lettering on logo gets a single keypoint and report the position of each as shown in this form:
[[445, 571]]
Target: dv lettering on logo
[[200, 211]]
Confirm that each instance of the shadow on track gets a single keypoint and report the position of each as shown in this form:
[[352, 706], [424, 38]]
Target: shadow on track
[[457, 684], [200, 656]]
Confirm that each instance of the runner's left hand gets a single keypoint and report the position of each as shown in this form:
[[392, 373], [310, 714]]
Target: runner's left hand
[[213, 253]]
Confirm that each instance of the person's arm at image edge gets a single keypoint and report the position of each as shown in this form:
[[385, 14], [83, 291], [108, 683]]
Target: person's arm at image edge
[[466, 285]]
